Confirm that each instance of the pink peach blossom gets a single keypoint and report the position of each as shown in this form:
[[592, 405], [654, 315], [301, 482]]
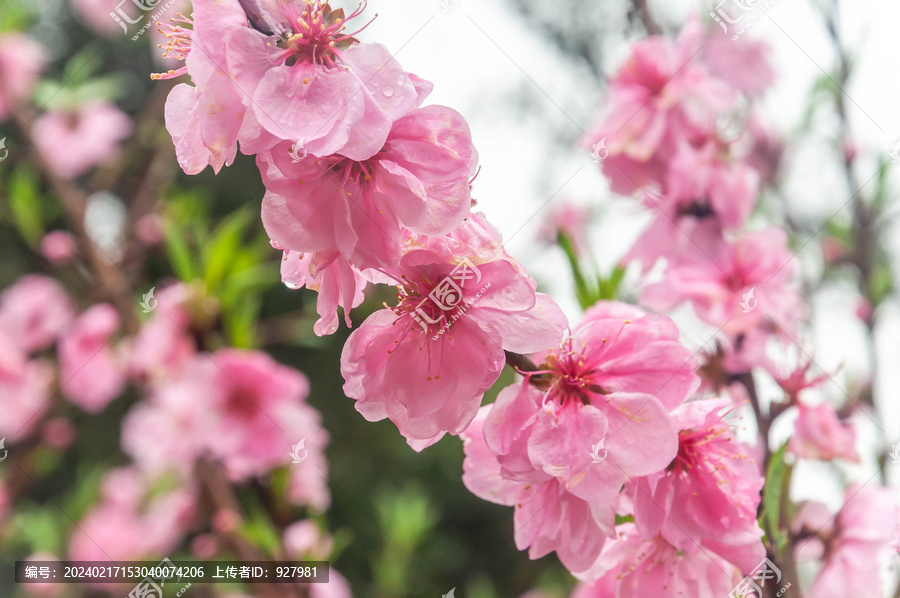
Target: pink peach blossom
[[632, 567], [59, 433], [96, 15], [21, 61], [25, 391], [304, 540], [548, 517], [72, 143], [58, 246], [130, 524], [819, 434], [34, 311], [418, 180], [746, 66], [91, 372], [709, 497], [161, 348], [425, 363], [659, 95], [319, 87], [594, 414], [43, 589], [700, 180], [738, 285], [853, 543], [338, 284], [569, 220], [240, 408]]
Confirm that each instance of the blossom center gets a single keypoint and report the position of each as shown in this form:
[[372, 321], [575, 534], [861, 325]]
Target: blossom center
[[318, 32], [570, 377]]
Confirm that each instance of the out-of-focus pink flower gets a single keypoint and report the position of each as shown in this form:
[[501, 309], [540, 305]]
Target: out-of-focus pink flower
[[4, 502], [150, 229], [21, 61], [738, 285], [819, 434], [160, 349], [419, 180], [853, 543], [767, 150], [548, 516], [205, 546], [710, 495], [96, 14], [239, 407], [72, 143], [45, 589], [261, 411], [91, 372], [34, 311], [24, 391], [863, 309], [304, 540], [596, 414], [59, 433], [700, 180], [58, 246], [128, 524], [659, 95], [338, 284], [632, 567], [337, 587], [425, 363], [745, 66], [571, 221]]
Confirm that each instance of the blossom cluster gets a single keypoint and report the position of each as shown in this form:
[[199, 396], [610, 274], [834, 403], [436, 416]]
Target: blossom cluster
[[232, 409], [613, 451], [364, 185]]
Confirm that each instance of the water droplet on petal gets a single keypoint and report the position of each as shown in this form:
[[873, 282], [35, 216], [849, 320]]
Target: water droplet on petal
[[401, 80], [388, 91]]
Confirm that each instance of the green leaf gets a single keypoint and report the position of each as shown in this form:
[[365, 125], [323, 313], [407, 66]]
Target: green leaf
[[82, 65], [25, 205], [218, 253], [774, 492], [240, 322], [260, 531], [179, 251], [620, 519]]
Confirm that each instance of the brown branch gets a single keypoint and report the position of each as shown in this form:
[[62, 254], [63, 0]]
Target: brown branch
[[643, 11], [109, 280]]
